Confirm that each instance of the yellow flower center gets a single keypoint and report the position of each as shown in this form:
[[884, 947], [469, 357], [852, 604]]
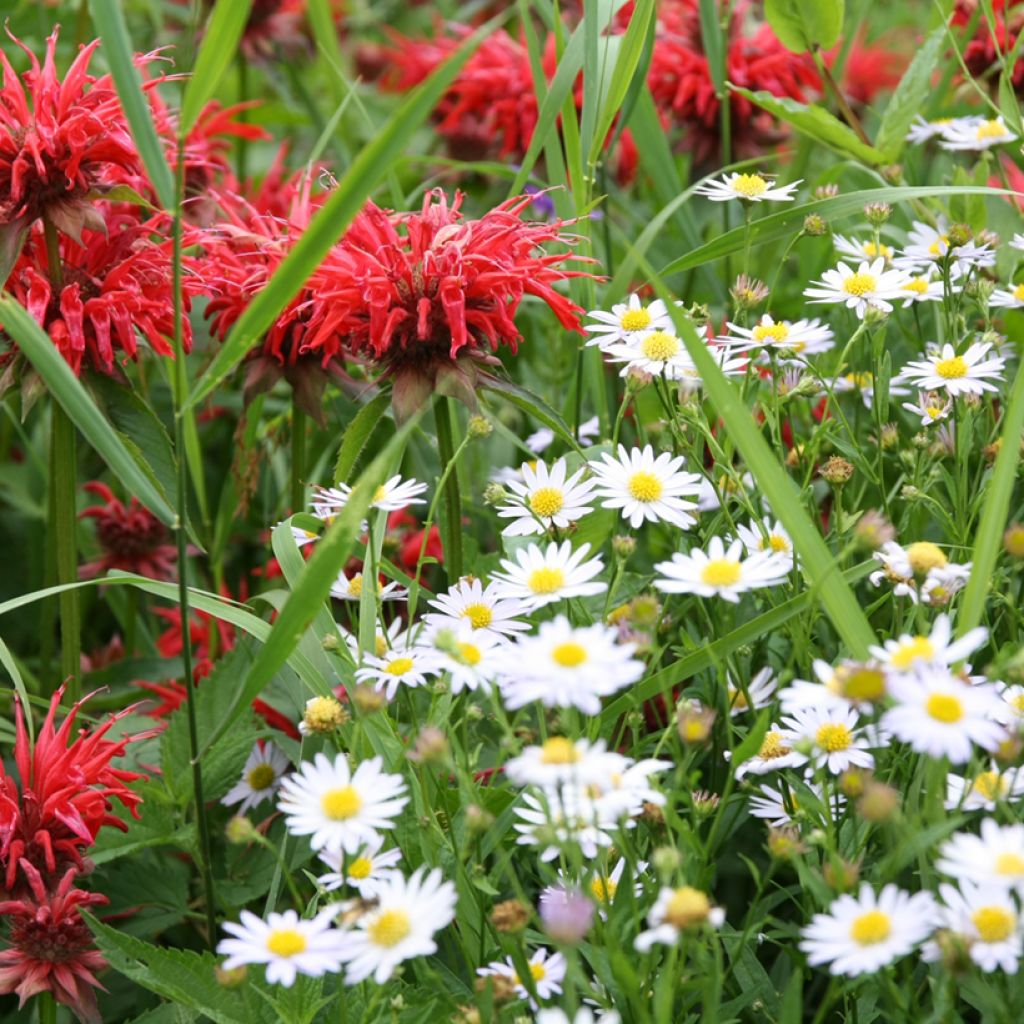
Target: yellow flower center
[[749, 185], [772, 747], [546, 580], [261, 777], [952, 369], [379, 495], [469, 653], [919, 285], [939, 246], [569, 654], [558, 750], [1010, 864], [341, 804], [635, 320], [1018, 293], [923, 556], [286, 942], [871, 928], [644, 486], [721, 572], [399, 666], [777, 332], [1017, 703], [861, 682], [380, 645], [871, 250], [944, 707], [920, 648], [546, 501], [859, 284], [360, 868], [934, 411], [737, 698], [990, 785], [991, 130], [833, 737], [687, 907], [993, 923], [777, 542], [603, 889], [388, 929], [660, 346], [355, 585], [538, 972], [479, 615]]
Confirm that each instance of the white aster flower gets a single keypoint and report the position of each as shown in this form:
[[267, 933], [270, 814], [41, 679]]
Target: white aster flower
[[922, 130], [350, 588], [861, 934], [674, 912], [921, 571], [604, 885], [627, 321], [777, 810], [987, 922], [928, 246], [751, 187], [559, 761], [547, 971], [756, 694], [870, 286], [984, 791], [411, 666], [484, 609], [1017, 242], [663, 354], [391, 496], [776, 751], [925, 287], [471, 657], [402, 925], [624, 794], [1011, 297], [863, 382], [721, 571], [837, 742], [554, 819], [975, 133], [970, 373], [805, 693], [1011, 707], [795, 337], [995, 857], [285, 943], [302, 537], [539, 577], [546, 499], [394, 637], [938, 648], [366, 873], [858, 249], [645, 487], [261, 776], [930, 407], [584, 1015], [341, 809], [767, 536]]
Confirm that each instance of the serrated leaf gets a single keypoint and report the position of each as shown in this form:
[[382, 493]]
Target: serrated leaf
[[802, 26], [909, 96]]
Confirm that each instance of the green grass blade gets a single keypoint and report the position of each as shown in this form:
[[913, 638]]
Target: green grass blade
[[8, 662], [67, 389], [357, 435], [108, 18]]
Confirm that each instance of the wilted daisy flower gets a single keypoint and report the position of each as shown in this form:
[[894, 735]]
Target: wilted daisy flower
[[930, 407], [777, 810], [721, 571], [546, 499], [924, 288], [338, 808], [366, 873], [970, 373], [928, 246], [391, 496], [402, 924], [411, 666], [767, 536], [350, 588], [985, 920], [776, 751], [261, 776], [975, 133], [559, 761], [484, 609], [940, 715], [995, 857], [938, 648], [1011, 297], [836, 740], [751, 187], [553, 819], [286, 943], [676, 911], [984, 790], [862, 250], [922, 130], [800, 337], [627, 321], [645, 487], [566, 666], [870, 286], [539, 577], [547, 970], [863, 933]]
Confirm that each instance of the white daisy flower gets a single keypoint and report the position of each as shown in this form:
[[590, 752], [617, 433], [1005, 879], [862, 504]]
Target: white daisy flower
[[804, 693], [554, 819], [798, 337], [751, 187], [863, 382], [341, 809], [547, 970], [1017, 242], [777, 810], [861, 934], [394, 637], [975, 133], [767, 536], [921, 571], [1011, 297], [350, 588], [285, 943], [623, 794], [928, 246], [776, 752], [720, 571], [837, 741], [930, 407], [471, 657], [546, 499], [986, 921], [940, 715], [302, 537], [584, 1015], [663, 354], [391, 496], [401, 926], [411, 666], [938, 648], [627, 321], [922, 130], [870, 286], [484, 609], [758, 692], [940, 585], [603, 885], [1011, 707], [925, 288], [646, 488], [970, 373], [984, 791], [996, 857], [559, 761], [366, 873], [566, 666], [261, 776], [674, 912], [857, 249], [539, 577]]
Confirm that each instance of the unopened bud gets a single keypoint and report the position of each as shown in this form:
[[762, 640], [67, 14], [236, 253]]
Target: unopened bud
[[431, 746], [829, 191], [840, 874], [666, 860], [367, 699], [959, 234], [815, 225], [836, 470], [478, 819], [510, 916], [877, 213], [785, 843], [893, 173], [623, 546], [495, 494], [873, 530], [230, 977], [240, 830], [1013, 540], [479, 426], [879, 803]]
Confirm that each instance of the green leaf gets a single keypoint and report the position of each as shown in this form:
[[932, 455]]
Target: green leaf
[[357, 435], [909, 97], [802, 26], [996, 505], [224, 29], [815, 122], [712, 42], [752, 741], [108, 17], [331, 220], [8, 662], [534, 406], [66, 389]]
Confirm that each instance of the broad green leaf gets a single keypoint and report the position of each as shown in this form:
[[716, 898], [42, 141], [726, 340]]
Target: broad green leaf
[[357, 435], [108, 17], [66, 389], [802, 25], [224, 29], [534, 405], [816, 123], [909, 97]]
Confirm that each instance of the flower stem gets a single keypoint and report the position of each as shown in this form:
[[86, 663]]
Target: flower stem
[[47, 1008], [837, 94], [298, 457], [451, 524]]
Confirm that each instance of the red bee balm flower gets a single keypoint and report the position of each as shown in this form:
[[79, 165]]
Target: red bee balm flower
[[429, 296], [65, 793], [51, 947]]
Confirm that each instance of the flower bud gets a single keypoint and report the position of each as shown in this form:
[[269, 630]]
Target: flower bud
[[233, 977], [893, 173], [748, 292], [666, 860], [565, 914], [829, 191], [959, 234], [836, 470], [924, 556], [478, 819], [495, 494], [877, 213], [240, 830], [1013, 540], [815, 225], [510, 916], [785, 843], [479, 427], [322, 715], [879, 803], [840, 874], [367, 699], [502, 988], [431, 747], [694, 723], [873, 530]]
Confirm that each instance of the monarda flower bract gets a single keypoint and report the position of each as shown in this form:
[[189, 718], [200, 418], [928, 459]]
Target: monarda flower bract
[[428, 297]]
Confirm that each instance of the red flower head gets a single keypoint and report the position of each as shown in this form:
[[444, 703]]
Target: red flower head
[[275, 26], [132, 538], [405, 536], [113, 285], [51, 948], [60, 141], [65, 793], [429, 296], [871, 69], [208, 635]]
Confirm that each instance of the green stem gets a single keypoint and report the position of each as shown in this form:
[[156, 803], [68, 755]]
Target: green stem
[[242, 149], [837, 94], [451, 524], [47, 1008], [298, 457]]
